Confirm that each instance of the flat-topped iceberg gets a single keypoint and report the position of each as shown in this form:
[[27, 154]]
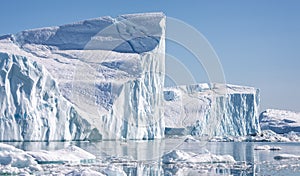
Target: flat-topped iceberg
[[71, 154], [179, 156], [215, 109], [280, 121], [95, 79]]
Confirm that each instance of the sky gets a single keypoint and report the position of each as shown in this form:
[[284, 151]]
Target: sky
[[257, 42]]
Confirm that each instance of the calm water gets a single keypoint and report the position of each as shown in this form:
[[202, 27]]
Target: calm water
[[143, 157]]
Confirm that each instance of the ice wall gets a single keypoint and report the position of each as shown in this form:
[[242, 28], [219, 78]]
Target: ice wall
[[32, 107], [214, 109], [108, 72]]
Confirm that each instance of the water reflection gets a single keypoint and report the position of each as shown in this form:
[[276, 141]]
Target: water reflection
[[144, 157]]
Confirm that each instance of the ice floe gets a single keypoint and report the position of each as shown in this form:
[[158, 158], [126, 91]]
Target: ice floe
[[190, 157]]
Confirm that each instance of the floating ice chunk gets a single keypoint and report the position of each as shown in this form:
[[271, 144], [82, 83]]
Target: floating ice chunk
[[275, 148], [286, 156], [71, 154], [266, 147], [112, 170], [84, 172], [190, 138], [13, 160], [175, 156], [268, 136]]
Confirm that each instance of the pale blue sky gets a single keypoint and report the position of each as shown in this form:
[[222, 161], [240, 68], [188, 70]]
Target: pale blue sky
[[258, 42]]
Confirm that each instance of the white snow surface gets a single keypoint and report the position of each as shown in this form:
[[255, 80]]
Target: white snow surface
[[176, 156], [213, 109], [84, 172], [13, 160], [112, 170], [17, 161], [71, 154], [96, 79], [266, 147], [280, 121]]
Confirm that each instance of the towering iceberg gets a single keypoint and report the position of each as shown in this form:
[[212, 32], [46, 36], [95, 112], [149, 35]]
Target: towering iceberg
[[209, 110], [95, 79]]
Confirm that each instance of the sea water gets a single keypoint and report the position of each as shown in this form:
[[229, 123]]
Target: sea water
[[143, 157]]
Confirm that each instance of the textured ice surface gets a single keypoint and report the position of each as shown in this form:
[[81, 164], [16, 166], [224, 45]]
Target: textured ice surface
[[71, 154], [280, 121], [32, 107], [175, 156], [263, 136], [96, 79], [212, 109], [15, 161], [266, 147], [84, 172], [114, 171]]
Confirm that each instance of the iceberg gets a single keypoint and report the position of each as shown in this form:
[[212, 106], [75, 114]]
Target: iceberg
[[114, 171], [266, 147], [96, 79], [17, 161], [212, 110], [285, 156], [280, 121], [72, 154], [179, 156], [84, 172], [13, 160]]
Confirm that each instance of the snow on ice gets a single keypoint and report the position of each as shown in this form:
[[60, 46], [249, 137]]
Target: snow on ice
[[280, 121], [95, 79], [212, 110], [190, 157]]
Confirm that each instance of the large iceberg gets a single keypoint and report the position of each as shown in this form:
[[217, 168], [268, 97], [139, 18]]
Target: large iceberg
[[280, 121], [95, 79], [212, 109]]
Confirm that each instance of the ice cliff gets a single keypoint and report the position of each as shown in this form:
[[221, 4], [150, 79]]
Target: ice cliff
[[95, 79], [210, 110], [32, 108]]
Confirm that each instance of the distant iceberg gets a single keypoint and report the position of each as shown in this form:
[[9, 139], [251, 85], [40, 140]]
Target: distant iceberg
[[179, 156], [215, 109], [280, 121]]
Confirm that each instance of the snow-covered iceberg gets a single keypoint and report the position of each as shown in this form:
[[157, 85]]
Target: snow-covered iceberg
[[15, 161], [215, 109], [20, 162], [71, 154], [95, 79], [280, 121], [176, 156]]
